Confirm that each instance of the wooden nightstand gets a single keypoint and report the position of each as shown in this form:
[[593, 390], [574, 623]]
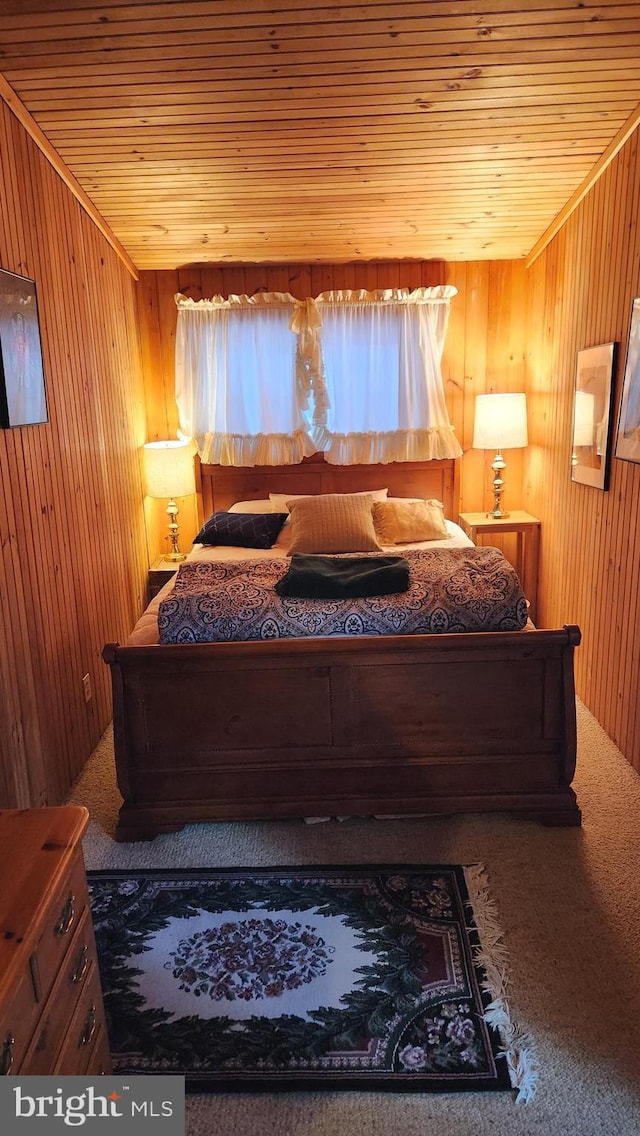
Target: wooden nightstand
[[160, 572], [527, 530]]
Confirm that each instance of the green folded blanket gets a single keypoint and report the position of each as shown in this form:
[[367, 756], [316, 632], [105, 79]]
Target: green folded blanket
[[314, 577]]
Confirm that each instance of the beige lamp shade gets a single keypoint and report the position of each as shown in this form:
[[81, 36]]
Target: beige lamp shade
[[168, 468], [500, 422]]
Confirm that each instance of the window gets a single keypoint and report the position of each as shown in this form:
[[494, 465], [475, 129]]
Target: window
[[267, 379], [236, 380], [381, 356]]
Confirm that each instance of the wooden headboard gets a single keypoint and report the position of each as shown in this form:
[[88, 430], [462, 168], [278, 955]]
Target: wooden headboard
[[222, 485]]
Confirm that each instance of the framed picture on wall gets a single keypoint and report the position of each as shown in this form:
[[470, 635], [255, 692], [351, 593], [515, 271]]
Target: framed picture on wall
[[23, 399], [628, 437], [591, 432]]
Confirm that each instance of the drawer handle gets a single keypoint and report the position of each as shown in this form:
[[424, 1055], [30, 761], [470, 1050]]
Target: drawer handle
[[35, 977], [7, 1056], [67, 916], [89, 1027], [80, 965]]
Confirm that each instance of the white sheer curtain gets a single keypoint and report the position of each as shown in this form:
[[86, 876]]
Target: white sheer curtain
[[267, 379], [381, 354], [241, 382]]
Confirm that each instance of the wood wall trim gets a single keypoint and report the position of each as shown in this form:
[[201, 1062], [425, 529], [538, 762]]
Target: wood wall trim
[[581, 192], [18, 108]]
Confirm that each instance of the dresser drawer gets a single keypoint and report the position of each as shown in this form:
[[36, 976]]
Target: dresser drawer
[[100, 1057], [65, 911], [17, 1022], [69, 909], [60, 1005], [51, 1012], [85, 1029]]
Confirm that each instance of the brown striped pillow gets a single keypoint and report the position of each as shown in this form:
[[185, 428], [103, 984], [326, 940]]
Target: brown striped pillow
[[332, 522]]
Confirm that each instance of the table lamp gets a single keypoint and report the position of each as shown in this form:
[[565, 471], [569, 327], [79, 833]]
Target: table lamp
[[500, 424], [169, 473]]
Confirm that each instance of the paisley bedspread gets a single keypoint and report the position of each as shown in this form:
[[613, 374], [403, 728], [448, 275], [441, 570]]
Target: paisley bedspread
[[451, 590]]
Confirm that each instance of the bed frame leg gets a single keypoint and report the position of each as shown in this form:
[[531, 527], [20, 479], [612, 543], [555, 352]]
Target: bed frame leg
[[130, 829], [570, 817]]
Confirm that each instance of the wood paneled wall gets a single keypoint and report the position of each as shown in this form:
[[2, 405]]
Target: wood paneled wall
[[73, 551], [581, 290], [485, 348]]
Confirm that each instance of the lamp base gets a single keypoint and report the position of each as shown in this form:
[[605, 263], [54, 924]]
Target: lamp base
[[175, 555], [497, 465]]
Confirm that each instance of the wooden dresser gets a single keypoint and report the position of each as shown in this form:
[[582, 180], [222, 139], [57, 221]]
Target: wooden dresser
[[51, 1012]]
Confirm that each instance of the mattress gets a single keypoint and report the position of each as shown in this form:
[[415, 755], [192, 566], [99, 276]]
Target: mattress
[[145, 632]]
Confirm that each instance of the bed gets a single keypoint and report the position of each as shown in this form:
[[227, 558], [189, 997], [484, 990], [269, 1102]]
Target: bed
[[367, 725]]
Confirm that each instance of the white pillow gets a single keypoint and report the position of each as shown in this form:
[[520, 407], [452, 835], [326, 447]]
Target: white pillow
[[263, 506], [279, 500]]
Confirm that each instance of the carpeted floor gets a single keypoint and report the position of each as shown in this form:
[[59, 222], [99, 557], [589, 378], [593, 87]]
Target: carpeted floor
[[569, 903]]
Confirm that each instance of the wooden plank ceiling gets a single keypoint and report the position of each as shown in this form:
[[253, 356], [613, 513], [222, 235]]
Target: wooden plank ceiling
[[315, 131]]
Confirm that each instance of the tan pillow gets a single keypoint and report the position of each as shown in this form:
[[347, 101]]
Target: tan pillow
[[279, 500], [332, 522], [400, 521], [261, 506]]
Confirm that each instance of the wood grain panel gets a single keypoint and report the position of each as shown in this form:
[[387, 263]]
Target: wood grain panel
[[581, 290], [72, 542]]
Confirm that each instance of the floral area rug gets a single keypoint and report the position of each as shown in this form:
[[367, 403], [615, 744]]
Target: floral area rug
[[376, 977]]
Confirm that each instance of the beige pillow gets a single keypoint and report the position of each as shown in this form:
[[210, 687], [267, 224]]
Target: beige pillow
[[400, 521], [279, 500], [332, 522]]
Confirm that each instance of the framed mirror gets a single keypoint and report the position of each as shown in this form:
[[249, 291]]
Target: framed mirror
[[23, 400], [591, 429], [628, 439]]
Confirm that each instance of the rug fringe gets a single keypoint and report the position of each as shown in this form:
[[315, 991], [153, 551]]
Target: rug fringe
[[492, 956]]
